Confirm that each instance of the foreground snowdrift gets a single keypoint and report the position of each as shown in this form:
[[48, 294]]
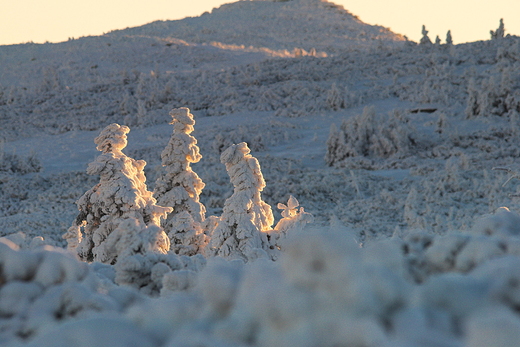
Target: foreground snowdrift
[[459, 289], [420, 263]]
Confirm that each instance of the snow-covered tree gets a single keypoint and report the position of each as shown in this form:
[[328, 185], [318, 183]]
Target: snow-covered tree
[[499, 33], [494, 96], [179, 187], [472, 107], [335, 100], [242, 229], [425, 40], [119, 214], [449, 39], [437, 40]]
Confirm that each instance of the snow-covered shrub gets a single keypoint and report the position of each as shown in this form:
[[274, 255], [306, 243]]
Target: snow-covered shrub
[[472, 107], [21, 240], [442, 253], [246, 218], [259, 136], [437, 81], [154, 273], [488, 101], [502, 223], [456, 296], [368, 135], [495, 97], [495, 326], [15, 164], [324, 291], [335, 100], [104, 330], [120, 200], [50, 80], [42, 288], [492, 237], [477, 250], [165, 317], [503, 273], [442, 123], [293, 220], [227, 138], [179, 187]]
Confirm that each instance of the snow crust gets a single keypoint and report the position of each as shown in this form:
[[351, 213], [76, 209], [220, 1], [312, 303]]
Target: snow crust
[[408, 236]]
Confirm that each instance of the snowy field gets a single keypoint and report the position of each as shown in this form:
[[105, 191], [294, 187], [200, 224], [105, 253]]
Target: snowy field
[[339, 186]]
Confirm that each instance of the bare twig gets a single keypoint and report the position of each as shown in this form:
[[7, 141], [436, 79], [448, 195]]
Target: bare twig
[[513, 174]]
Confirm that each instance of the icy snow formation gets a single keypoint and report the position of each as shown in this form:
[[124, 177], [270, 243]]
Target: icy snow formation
[[179, 187], [118, 215], [411, 244], [241, 230]]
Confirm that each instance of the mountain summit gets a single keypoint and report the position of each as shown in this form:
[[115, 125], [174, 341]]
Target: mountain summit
[[288, 24]]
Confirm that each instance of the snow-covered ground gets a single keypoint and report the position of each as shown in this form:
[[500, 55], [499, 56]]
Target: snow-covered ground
[[389, 145]]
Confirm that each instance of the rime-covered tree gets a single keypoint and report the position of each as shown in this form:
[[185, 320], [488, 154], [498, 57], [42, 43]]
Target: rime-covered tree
[[449, 39], [472, 104], [179, 187], [425, 40], [120, 199], [335, 100], [499, 33], [246, 219], [369, 134]]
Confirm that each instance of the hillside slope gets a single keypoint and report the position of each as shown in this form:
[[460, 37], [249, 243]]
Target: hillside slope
[[306, 24]]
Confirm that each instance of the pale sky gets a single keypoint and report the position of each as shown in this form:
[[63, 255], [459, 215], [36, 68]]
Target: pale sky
[[56, 20]]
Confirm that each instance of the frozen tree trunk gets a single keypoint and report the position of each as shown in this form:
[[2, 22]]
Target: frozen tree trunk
[[120, 200], [179, 187], [242, 229]]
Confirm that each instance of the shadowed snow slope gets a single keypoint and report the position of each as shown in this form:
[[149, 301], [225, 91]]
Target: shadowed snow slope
[[305, 24]]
